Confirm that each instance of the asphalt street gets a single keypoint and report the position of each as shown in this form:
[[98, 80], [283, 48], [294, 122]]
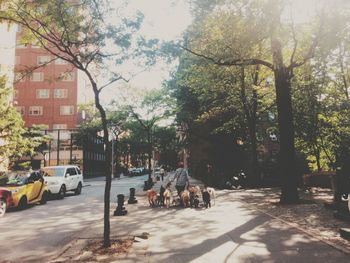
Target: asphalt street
[[40, 230]]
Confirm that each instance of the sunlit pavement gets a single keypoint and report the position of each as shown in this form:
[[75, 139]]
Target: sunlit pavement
[[41, 230], [230, 231]]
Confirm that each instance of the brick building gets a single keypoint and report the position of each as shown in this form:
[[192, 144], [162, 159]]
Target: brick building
[[48, 94]]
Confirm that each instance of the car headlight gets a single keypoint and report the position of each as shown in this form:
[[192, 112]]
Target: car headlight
[[53, 183]]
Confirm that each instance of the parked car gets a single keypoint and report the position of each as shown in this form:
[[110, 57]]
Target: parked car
[[5, 200], [63, 178], [156, 173], [26, 187], [135, 171]]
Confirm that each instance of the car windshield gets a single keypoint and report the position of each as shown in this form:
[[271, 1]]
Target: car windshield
[[53, 171], [14, 178]]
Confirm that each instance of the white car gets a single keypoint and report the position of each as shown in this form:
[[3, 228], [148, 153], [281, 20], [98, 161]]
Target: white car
[[63, 178]]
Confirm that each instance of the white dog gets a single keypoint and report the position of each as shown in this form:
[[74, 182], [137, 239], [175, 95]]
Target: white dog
[[212, 194]]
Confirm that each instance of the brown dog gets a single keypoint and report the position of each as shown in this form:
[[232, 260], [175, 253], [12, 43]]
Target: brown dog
[[167, 197], [152, 197], [185, 198], [194, 189]]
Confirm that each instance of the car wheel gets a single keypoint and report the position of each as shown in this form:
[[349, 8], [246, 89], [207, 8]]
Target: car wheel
[[23, 203], [78, 190], [62, 192], [44, 198], [3, 207]]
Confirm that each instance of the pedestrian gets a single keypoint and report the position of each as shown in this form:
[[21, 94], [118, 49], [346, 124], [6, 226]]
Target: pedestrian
[[181, 177], [162, 173]]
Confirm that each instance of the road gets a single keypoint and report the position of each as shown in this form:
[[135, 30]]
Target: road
[[41, 230]]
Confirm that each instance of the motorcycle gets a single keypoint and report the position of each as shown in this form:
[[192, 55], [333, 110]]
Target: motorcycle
[[237, 181]]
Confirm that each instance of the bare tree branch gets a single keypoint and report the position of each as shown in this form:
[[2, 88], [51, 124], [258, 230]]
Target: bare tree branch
[[231, 62]]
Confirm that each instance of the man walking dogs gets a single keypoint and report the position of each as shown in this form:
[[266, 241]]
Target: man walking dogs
[[181, 178]]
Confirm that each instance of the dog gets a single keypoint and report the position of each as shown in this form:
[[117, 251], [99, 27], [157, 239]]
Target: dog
[[194, 195], [152, 197], [212, 194], [206, 198], [185, 198], [194, 189], [194, 199], [167, 197], [161, 196]]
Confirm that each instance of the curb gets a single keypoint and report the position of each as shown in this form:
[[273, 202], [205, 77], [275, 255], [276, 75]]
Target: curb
[[309, 233], [74, 238]]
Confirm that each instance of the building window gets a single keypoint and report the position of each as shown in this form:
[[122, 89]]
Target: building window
[[20, 110], [37, 76], [42, 93], [43, 60], [66, 110], [67, 76], [60, 93], [19, 77], [59, 126], [17, 60], [60, 61], [35, 110]]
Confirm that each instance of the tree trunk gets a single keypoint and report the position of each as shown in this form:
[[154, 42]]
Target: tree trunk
[[286, 129], [108, 167], [254, 158], [149, 155], [250, 115], [289, 180], [317, 156]]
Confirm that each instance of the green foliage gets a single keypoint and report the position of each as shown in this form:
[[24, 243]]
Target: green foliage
[[166, 143], [227, 36], [16, 141]]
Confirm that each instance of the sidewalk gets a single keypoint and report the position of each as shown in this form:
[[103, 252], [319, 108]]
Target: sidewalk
[[231, 231]]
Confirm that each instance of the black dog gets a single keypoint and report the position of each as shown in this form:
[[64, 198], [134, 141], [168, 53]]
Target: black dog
[[161, 196], [194, 200], [206, 198]]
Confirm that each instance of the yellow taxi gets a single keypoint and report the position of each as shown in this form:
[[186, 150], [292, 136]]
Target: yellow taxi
[[26, 187]]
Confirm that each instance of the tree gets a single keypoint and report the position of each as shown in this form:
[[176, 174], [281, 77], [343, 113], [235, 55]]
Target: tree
[[16, 140], [155, 106], [78, 32], [241, 33], [232, 99], [166, 143], [118, 123]]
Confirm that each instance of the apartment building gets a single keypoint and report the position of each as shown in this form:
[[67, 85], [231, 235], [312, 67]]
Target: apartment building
[[46, 87]]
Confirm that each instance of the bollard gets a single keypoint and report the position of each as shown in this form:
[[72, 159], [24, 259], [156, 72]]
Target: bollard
[[145, 187], [120, 210], [132, 199]]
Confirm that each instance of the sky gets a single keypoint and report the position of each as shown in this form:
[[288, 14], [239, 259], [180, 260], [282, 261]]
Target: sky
[[165, 20]]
